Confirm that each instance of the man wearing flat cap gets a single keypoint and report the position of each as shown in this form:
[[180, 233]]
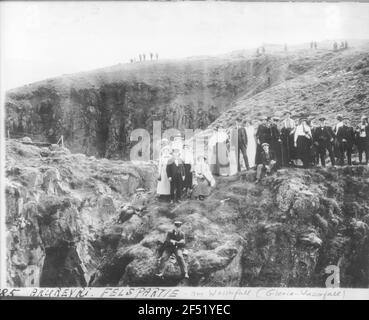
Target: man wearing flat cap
[[323, 141], [268, 162], [346, 139], [362, 138], [174, 244]]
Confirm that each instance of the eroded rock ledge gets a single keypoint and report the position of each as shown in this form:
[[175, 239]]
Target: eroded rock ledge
[[62, 225]]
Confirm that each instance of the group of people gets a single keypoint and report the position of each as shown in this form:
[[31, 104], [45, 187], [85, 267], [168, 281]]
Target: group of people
[[142, 57], [343, 45], [178, 175], [270, 146]]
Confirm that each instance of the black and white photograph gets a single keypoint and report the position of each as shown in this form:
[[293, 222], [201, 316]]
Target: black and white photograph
[[184, 149]]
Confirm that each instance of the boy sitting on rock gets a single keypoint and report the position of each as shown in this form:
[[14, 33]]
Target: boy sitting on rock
[[174, 244], [267, 162]]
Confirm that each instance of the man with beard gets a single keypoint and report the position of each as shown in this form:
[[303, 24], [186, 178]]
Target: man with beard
[[345, 138], [322, 139]]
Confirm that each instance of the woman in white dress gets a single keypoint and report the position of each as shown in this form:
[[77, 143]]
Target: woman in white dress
[[251, 143], [163, 187]]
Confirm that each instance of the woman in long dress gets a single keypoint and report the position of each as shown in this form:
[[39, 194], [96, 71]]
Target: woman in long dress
[[203, 179], [163, 187], [251, 143]]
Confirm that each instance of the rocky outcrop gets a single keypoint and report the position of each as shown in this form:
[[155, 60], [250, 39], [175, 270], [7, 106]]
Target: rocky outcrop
[[96, 111], [62, 226], [57, 204]]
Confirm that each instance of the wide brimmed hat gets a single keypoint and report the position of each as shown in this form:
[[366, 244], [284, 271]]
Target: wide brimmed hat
[[276, 118], [140, 190], [322, 119], [178, 223], [364, 117], [265, 144], [339, 116]]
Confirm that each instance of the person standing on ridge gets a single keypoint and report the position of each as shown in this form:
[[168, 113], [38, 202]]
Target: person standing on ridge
[[263, 134], [275, 143], [322, 138], [176, 175], [287, 139], [346, 138], [363, 139], [302, 140], [242, 145]]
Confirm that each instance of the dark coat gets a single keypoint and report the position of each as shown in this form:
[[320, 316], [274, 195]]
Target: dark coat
[[346, 133], [174, 171], [264, 134], [242, 137], [322, 135], [275, 134]]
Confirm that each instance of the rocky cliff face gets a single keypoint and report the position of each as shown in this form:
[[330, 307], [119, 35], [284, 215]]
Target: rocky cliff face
[[96, 111], [62, 227]]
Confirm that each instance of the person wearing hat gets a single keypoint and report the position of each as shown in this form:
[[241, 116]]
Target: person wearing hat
[[188, 166], [323, 140], [176, 175], [287, 140], [268, 162], [263, 134], [275, 142], [242, 145], [339, 123], [163, 186], [174, 244], [362, 138], [346, 139], [302, 141]]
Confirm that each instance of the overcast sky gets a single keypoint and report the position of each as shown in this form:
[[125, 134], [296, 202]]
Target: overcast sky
[[45, 39]]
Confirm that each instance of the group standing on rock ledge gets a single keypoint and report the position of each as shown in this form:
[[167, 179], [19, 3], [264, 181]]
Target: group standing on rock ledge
[[271, 145], [304, 140]]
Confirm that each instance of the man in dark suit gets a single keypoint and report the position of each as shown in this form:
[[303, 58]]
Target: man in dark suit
[[345, 138], [267, 161], [242, 145], [174, 244], [275, 143], [322, 140], [263, 135], [176, 175]]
